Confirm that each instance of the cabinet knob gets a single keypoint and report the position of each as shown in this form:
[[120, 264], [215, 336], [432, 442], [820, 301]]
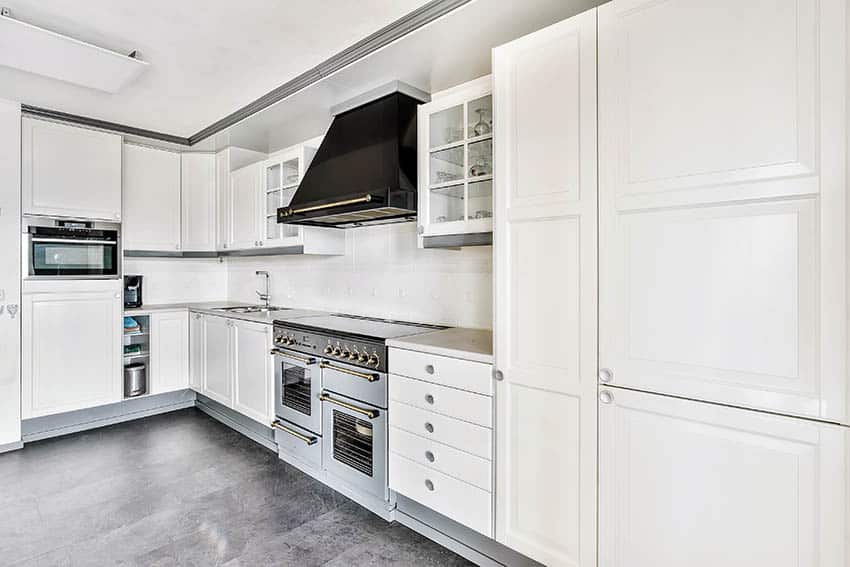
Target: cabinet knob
[[497, 375], [430, 456], [606, 397], [605, 375], [429, 399], [429, 428], [429, 369], [117, 295], [429, 485], [420, 229]]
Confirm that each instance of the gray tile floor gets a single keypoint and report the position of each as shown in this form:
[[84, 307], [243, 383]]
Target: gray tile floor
[[182, 489]]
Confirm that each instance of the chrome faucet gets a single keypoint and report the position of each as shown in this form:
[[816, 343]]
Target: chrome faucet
[[266, 297]]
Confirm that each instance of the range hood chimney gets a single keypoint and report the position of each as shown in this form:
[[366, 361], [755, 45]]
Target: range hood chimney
[[364, 172]]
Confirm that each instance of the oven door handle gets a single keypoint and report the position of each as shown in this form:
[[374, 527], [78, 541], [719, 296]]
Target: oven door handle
[[72, 240], [369, 377], [303, 359], [308, 440], [370, 414]]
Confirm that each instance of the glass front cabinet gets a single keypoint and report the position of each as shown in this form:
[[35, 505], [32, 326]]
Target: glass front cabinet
[[455, 133], [282, 173]]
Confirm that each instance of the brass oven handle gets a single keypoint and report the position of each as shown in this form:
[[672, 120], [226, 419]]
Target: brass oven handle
[[303, 359], [369, 377], [371, 414], [364, 199], [309, 440]]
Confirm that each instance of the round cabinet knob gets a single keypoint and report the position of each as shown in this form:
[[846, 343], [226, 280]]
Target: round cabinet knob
[[329, 349], [429, 485], [606, 397], [605, 375], [429, 369], [429, 428], [429, 399], [429, 456]]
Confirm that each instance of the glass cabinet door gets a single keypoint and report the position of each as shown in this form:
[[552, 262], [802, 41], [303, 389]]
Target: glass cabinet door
[[282, 180]]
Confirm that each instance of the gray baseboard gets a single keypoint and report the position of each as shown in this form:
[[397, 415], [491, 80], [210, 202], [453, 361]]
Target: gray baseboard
[[245, 425], [38, 428], [6, 447]]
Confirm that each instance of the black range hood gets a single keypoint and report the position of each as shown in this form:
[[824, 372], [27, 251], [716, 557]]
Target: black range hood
[[364, 172]]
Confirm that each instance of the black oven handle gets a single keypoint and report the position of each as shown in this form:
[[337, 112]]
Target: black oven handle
[[368, 413], [302, 359], [72, 240]]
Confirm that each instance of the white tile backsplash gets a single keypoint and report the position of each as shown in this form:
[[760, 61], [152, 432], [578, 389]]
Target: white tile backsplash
[[178, 280], [383, 274]]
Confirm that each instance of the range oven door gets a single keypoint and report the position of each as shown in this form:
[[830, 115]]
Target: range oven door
[[355, 443], [297, 389]]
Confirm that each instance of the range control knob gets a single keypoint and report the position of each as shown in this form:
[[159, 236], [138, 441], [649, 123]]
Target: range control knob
[[337, 351], [329, 349], [353, 355], [345, 352], [373, 360], [362, 357]]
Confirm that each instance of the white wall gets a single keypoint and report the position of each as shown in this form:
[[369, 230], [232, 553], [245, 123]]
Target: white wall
[[10, 276], [178, 280], [383, 274]]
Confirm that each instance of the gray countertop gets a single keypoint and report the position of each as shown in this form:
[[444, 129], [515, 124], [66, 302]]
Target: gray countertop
[[457, 342], [209, 308]]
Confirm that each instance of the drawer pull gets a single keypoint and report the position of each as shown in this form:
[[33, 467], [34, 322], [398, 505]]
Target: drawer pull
[[430, 399], [429, 485], [429, 369], [306, 439], [429, 428], [430, 456]]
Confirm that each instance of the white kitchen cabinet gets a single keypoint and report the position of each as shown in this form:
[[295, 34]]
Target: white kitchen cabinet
[[197, 343], [455, 141], [545, 293], [218, 375], [244, 207], [198, 207], [282, 173], [698, 484], [70, 172], [226, 161], [252, 370], [169, 354], [71, 346], [723, 203], [151, 199]]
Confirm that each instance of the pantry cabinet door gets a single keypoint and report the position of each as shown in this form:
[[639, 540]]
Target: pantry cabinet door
[[169, 352], [151, 198], [244, 194], [198, 190], [197, 340], [698, 484], [253, 367], [218, 373], [722, 199], [71, 348], [545, 293]]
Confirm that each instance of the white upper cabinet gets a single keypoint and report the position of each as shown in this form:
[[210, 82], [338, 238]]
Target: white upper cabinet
[[722, 140], [198, 190], [702, 485], [244, 207], [455, 149], [71, 172], [545, 293], [282, 173], [151, 199]]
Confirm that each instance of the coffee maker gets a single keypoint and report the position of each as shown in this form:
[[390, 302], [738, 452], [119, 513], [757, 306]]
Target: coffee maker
[[132, 292]]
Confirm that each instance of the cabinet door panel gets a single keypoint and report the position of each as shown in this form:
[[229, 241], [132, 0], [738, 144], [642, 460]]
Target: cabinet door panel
[[545, 275], [218, 374], [244, 194], [252, 367], [151, 199], [69, 171], [198, 190], [691, 483], [71, 350], [169, 352], [197, 341], [722, 202]]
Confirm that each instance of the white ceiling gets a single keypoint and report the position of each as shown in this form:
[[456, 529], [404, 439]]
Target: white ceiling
[[208, 57]]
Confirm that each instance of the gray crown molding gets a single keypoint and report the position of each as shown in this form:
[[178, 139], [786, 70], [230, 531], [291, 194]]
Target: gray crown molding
[[396, 30]]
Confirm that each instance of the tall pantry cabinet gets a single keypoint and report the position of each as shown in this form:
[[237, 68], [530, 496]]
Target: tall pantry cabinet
[[545, 292]]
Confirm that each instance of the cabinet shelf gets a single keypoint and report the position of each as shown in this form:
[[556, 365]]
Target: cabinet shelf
[[461, 181], [460, 143], [137, 334], [133, 356]]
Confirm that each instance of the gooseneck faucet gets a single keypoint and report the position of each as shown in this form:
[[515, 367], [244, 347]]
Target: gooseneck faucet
[[266, 297]]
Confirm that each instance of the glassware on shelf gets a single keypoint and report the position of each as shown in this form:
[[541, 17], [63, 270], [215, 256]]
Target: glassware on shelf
[[481, 127], [481, 158]]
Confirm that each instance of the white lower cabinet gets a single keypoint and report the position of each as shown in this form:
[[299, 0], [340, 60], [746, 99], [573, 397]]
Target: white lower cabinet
[[217, 382], [71, 346], [698, 484], [252, 370], [169, 360], [197, 342]]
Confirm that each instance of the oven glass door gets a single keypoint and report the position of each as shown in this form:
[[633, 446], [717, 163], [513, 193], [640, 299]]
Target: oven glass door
[[355, 446], [78, 258], [297, 389]]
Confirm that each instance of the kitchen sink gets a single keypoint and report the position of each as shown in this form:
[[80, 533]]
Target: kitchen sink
[[251, 309]]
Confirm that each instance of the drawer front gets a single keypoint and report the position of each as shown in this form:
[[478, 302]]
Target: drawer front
[[470, 407], [453, 372], [448, 460], [292, 443], [462, 435], [450, 497]]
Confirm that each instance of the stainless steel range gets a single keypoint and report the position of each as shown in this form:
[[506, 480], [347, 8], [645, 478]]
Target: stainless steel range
[[331, 394]]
